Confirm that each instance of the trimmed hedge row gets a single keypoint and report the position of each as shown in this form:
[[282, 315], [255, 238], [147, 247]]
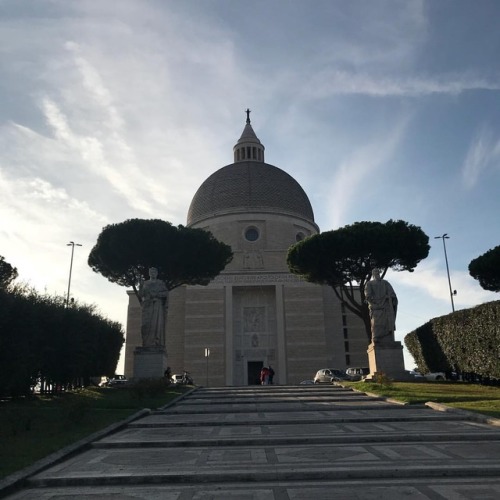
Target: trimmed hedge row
[[466, 341], [42, 340]]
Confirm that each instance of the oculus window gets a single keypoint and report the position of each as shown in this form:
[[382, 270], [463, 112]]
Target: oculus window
[[251, 234]]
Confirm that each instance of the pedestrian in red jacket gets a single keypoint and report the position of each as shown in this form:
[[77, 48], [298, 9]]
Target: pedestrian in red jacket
[[264, 376]]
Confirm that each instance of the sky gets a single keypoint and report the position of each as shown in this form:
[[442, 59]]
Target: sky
[[380, 109]]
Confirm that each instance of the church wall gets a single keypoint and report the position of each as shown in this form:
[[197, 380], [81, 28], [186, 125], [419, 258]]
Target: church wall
[[174, 336], [358, 341], [276, 234], [357, 338], [276, 261], [335, 334], [305, 331], [347, 339], [205, 328], [282, 233]]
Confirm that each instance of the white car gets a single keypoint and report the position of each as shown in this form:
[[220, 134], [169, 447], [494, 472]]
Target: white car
[[117, 380], [328, 375], [176, 378], [430, 377], [355, 374]]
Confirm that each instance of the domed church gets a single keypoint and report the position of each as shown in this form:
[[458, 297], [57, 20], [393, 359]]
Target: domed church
[[255, 313]]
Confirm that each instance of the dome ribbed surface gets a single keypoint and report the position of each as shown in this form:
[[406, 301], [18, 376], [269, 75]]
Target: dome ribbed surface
[[249, 186]]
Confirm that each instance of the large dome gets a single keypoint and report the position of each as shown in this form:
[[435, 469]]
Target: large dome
[[249, 186]]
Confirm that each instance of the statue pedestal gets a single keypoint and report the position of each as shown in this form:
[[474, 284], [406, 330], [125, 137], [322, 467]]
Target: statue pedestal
[[150, 362], [387, 358]]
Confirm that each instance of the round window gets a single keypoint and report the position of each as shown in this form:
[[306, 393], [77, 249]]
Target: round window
[[252, 234]]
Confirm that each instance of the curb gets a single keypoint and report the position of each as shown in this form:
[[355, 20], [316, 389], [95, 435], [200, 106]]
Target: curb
[[377, 396], [175, 401], [469, 415]]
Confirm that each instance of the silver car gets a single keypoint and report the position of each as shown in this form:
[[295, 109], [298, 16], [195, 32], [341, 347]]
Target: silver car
[[176, 378], [430, 377], [328, 375], [357, 373]]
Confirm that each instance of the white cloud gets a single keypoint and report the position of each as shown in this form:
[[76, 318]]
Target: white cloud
[[337, 82], [38, 219], [360, 173], [92, 82], [36, 200], [430, 278], [123, 177], [484, 153]]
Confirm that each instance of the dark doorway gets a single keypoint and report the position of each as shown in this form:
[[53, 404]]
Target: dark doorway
[[254, 368]]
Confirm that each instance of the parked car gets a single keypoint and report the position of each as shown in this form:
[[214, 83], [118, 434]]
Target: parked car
[[184, 378], [430, 377], [356, 373], [328, 375], [117, 380]]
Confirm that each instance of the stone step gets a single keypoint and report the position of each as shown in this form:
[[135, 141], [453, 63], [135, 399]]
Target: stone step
[[427, 437], [325, 462], [413, 488], [182, 415], [258, 407]]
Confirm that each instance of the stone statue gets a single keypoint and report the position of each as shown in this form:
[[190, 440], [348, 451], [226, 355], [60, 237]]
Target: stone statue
[[383, 305], [154, 295]]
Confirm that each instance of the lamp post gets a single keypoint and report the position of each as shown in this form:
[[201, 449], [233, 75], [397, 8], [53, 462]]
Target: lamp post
[[446, 237], [71, 244], [207, 355]]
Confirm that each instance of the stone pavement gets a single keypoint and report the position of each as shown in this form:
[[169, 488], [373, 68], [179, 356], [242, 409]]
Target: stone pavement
[[283, 443]]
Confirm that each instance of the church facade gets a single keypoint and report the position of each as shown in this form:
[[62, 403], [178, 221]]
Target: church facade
[[255, 313]]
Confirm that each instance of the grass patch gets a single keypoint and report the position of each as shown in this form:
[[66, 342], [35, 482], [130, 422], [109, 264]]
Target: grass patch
[[32, 428], [471, 397]]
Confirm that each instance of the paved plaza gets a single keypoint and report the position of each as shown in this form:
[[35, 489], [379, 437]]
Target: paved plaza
[[282, 443]]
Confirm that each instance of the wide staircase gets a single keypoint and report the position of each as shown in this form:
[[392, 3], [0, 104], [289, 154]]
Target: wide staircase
[[283, 443]]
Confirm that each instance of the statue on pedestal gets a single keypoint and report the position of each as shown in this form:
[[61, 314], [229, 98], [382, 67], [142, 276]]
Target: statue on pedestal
[[154, 295], [383, 306]]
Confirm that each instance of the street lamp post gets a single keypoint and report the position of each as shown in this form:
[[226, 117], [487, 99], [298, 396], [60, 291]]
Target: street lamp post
[[446, 237], [71, 244], [207, 355]]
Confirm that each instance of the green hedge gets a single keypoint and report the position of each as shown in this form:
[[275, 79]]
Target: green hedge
[[41, 339], [467, 341]]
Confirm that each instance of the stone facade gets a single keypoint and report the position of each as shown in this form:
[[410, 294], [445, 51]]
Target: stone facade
[[255, 312]]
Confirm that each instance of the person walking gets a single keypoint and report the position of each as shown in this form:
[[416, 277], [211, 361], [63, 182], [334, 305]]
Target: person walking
[[271, 374], [264, 376]]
